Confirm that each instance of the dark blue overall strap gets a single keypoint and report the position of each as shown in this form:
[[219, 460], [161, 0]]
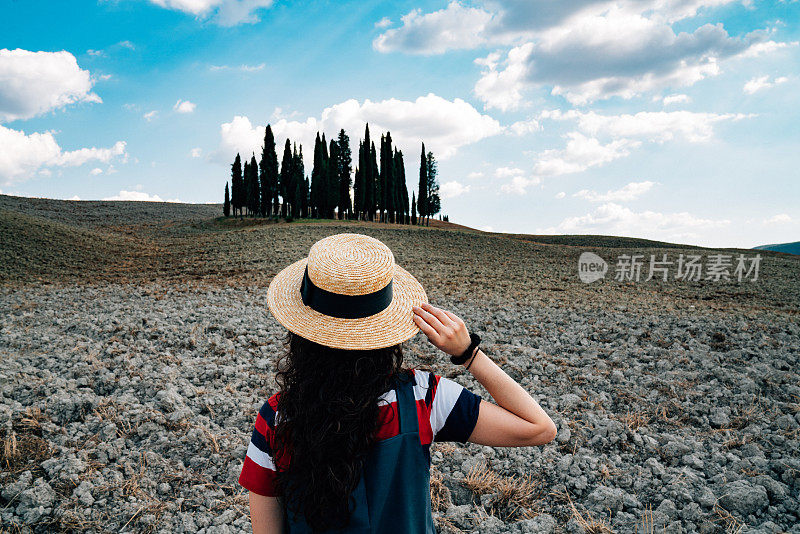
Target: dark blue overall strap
[[407, 405]]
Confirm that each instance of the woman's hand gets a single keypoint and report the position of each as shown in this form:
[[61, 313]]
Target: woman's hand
[[444, 329]]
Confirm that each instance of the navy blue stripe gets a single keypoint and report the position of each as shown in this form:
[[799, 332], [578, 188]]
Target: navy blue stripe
[[268, 414], [260, 442], [462, 419]]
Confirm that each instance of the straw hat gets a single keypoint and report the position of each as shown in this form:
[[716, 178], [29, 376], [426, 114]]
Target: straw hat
[[347, 294]]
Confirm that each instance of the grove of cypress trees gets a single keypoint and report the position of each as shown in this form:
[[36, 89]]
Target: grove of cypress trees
[[413, 209], [422, 194], [268, 173], [226, 207], [343, 170]]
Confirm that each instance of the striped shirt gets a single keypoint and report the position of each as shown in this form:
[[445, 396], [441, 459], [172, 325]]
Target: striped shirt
[[446, 411]]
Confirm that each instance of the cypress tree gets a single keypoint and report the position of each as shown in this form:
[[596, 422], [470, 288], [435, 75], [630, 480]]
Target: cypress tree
[[386, 182], [286, 176], [299, 179], [316, 177], [344, 169], [383, 176], [399, 190], [413, 209], [268, 174], [434, 203], [375, 174], [226, 207], [366, 167], [403, 188], [332, 193], [255, 192], [244, 188], [422, 194], [236, 180], [358, 187], [324, 183]]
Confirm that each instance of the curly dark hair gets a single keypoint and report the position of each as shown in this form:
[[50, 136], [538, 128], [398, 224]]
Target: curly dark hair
[[327, 418]]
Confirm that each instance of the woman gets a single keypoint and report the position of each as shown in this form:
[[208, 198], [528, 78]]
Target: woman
[[345, 445]]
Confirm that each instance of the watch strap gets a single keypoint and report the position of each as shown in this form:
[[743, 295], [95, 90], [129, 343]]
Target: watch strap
[[475, 340]]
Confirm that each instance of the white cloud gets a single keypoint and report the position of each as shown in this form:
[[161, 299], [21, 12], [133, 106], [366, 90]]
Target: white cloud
[[32, 83], [561, 195], [242, 67], [767, 47], [454, 27], [525, 127], [629, 192], [385, 22], [675, 99], [762, 82], [443, 125], [781, 218], [502, 88], [184, 106], [616, 53], [196, 152], [581, 153], [96, 171], [223, 12], [613, 219], [453, 189], [585, 50], [654, 126], [74, 197], [519, 180], [22, 156], [139, 196], [507, 21], [150, 115]]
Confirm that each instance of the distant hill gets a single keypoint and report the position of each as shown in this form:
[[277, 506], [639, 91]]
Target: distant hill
[[788, 248]]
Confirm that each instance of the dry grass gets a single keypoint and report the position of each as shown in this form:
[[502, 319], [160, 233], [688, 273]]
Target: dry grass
[[514, 496], [587, 521], [633, 421], [731, 524], [439, 492], [445, 524]]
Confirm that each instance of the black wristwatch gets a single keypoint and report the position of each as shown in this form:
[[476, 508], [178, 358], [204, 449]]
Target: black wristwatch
[[475, 340]]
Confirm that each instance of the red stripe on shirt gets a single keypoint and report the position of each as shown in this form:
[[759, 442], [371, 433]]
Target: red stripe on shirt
[[257, 479]]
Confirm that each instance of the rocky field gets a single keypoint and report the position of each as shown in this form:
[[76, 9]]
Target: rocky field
[[136, 349]]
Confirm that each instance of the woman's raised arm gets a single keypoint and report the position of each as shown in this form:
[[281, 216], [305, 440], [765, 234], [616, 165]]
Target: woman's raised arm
[[516, 420]]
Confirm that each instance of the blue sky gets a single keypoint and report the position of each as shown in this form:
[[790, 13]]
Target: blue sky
[[667, 119]]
